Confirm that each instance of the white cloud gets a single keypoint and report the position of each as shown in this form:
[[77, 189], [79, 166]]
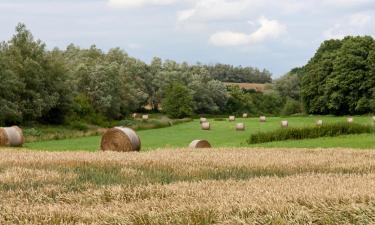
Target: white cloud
[[138, 3], [360, 20], [214, 9], [269, 29], [355, 24]]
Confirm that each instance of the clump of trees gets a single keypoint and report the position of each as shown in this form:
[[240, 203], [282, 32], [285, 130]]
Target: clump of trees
[[340, 78], [58, 86]]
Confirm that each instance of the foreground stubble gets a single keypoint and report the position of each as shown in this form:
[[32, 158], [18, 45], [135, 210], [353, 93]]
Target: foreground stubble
[[225, 186]]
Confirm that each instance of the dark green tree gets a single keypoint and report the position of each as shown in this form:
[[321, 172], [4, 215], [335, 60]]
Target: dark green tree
[[178, 101]]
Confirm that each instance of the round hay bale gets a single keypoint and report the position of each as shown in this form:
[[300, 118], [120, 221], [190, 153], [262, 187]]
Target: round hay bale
[[134, 115], [350, 119], [232, 118], [373, 118], [200, 144], [11, 136], [205, 126], [120, 139], [144, 117], [240, 127], [284, 123], [202, 120], [244, 115], [319, 122], [262, 119]]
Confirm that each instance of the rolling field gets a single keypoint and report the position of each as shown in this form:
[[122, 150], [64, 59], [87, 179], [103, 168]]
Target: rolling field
[[181, 186], [222, 134]]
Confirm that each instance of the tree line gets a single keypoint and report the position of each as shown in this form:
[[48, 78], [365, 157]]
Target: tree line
[[55, 86], [338, 80]]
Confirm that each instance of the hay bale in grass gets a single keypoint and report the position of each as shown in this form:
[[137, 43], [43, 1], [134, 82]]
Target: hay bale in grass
[[120, 139], [373, 118], [244, 115], [134, 115], [284, 123], [232, 118], [262, 119], [144, 117], [350, 119], [319, 122], [240, 127], [11, 136], [200, 144], [202, 120], [205, 126]]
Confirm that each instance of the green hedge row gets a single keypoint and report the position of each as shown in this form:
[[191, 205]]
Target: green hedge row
[[327, 130]]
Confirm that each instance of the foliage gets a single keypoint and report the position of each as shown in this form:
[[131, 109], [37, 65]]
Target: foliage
[[289, 85], [178, 101], [340, 78], [328, 130], [291, 107]]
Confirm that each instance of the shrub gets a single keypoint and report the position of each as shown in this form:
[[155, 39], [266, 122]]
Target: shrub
[[328, 130], [77, 125]]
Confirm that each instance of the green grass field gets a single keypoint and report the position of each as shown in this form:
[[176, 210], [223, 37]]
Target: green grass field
[[222, 134]]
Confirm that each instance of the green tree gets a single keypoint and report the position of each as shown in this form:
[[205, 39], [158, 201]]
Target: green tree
[[178, 101], [339, 79]]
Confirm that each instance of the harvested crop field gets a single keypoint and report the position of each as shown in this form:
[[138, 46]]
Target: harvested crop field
[[212, 186]]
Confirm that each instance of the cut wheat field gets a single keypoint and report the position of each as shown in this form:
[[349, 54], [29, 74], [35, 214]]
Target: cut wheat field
[[181, 186]]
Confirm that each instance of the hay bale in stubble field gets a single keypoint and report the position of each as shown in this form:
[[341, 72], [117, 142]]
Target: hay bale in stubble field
[[244, 115], [284, 123], [120, 139], [262, 119], [145, 117], [350, 119], [205, 126], [240, 127], [202, 120], [232, 118], [11, 136], [319, 122], [200, 144]]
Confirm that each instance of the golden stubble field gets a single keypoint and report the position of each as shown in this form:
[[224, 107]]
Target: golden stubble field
[[221, 186]]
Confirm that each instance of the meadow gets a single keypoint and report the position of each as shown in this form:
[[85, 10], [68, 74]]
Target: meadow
[[222, 134], [181, 186]]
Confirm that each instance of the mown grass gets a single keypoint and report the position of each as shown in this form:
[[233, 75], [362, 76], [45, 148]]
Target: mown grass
[[222, 134], [217, 186]]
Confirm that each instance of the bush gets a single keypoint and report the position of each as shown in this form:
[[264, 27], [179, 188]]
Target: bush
[[291, 107], [328, 130], [77, 125], [178, 101]]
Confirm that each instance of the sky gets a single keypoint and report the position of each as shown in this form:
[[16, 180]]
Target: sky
[[274, 34]]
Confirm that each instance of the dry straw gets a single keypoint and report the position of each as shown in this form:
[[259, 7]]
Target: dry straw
[[240, 127], [350, 119], [11, 136], [200, 144], [202, 120], [319, 122], [120, 139], [232, 118], [262, 119], [205, 126], [145, 117], [244, 115], [284, 123]]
